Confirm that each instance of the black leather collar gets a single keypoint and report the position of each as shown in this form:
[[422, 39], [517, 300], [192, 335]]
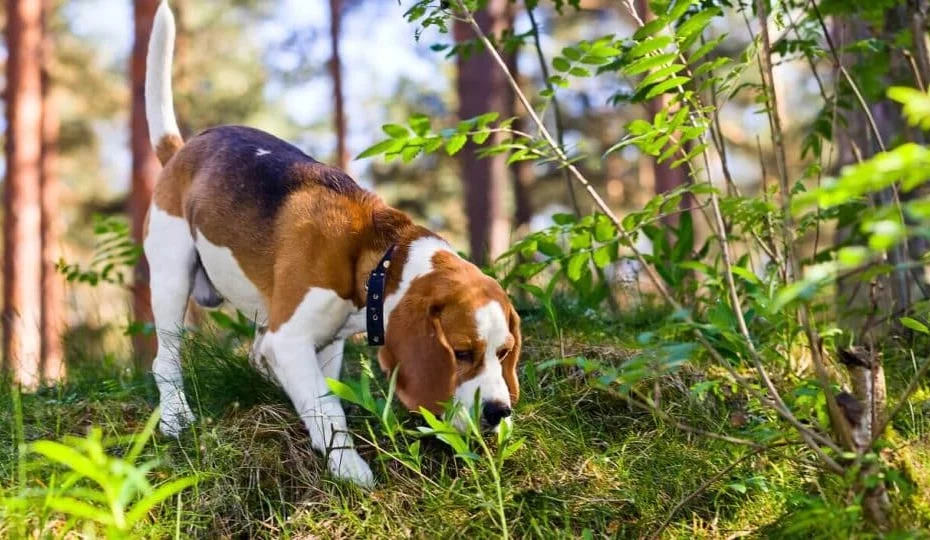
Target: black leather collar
[[374, 302]]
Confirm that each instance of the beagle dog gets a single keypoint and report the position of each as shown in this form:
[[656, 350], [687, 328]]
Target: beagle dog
[[240, 216]]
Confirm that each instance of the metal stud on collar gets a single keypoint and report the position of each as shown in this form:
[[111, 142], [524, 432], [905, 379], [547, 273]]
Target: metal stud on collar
[[374, 304]]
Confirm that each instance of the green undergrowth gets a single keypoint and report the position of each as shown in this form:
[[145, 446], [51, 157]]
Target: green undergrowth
[[590, 466]]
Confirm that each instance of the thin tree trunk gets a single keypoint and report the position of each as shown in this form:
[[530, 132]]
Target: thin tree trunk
[[523, 175], [22, 300], [335, 68], [53, 314], [144, 171], [483, 88]]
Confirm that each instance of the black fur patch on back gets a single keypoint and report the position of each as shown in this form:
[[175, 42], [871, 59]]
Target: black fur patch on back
[[261, 170]]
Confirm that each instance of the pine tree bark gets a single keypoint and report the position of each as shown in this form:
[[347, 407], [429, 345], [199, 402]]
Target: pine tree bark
[[335, 69], [22, 268], [52, 368], [482, 88], [144, 172]]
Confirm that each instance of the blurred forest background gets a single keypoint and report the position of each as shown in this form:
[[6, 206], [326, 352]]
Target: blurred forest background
[[712, 215], [325, 77]]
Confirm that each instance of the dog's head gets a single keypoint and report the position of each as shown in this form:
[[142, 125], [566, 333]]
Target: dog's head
[[454, 337]]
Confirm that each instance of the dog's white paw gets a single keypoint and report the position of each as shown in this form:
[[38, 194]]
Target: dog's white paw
[[175, 415], [349, 465], [258, 360]]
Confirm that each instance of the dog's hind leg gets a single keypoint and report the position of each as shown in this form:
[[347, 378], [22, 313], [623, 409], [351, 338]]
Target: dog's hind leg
[[169, 248]]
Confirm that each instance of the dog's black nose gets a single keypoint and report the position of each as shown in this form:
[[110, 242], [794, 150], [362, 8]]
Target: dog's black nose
[[495, 411]]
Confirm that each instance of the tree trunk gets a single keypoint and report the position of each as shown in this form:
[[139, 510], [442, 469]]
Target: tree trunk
[[52, 284], [22, 299], [861, 310], [482, 88], [144, 171], [523, 175], [335, 68]]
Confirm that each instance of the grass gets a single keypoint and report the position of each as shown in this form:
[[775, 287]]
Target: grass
[[591, 466]]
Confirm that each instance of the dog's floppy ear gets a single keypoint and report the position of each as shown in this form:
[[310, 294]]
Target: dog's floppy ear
[[416, 347], [509, 363]]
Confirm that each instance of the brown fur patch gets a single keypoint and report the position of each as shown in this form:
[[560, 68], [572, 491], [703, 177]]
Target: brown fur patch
[[167, 147], [436, 318]]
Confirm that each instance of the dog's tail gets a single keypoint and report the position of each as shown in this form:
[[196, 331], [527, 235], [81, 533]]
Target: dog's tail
[[159, 102]]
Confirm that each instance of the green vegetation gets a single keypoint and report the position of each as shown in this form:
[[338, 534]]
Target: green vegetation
[[590, 465]]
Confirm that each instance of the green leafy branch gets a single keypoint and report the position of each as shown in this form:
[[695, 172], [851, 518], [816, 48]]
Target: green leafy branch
[[115, 255], [97, 486]]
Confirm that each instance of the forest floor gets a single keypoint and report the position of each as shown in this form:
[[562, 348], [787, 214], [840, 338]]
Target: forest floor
[[591, 466]]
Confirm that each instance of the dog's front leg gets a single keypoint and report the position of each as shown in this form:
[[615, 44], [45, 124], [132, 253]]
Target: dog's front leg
[[256, 358], [296, 366]]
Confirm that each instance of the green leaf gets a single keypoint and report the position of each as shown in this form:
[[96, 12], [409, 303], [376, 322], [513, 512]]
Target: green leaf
[[564, 219], [660, 74], [163, 492], [456, 143], [409, 152], [483, 120], [140, 440], [604, 230], [853, 256], [579, 72], [692, 28], [343, 391], [511, 448], [746, 274], [420, 123], [708, 67], [790, 293], [389, 145], [561, 64], [885, 234], [71, 458], [576, 264], [481, 136], [916, 105], [647, 63], [704, 49], [650, 28], [650, 46], [580, 240], [602, 256], [549, 247], [915, 325], [80, 509], [571, 53], [396, 131], [665, 86], [432, 144], [677, 8]]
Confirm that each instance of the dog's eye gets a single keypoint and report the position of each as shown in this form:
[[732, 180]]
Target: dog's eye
[[501, 353], [464, 356]]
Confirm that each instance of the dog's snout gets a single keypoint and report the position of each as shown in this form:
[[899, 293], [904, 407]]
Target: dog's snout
[[495, 411]]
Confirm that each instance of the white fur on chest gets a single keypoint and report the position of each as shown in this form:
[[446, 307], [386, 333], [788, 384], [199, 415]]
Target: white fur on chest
[[229, 279]]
